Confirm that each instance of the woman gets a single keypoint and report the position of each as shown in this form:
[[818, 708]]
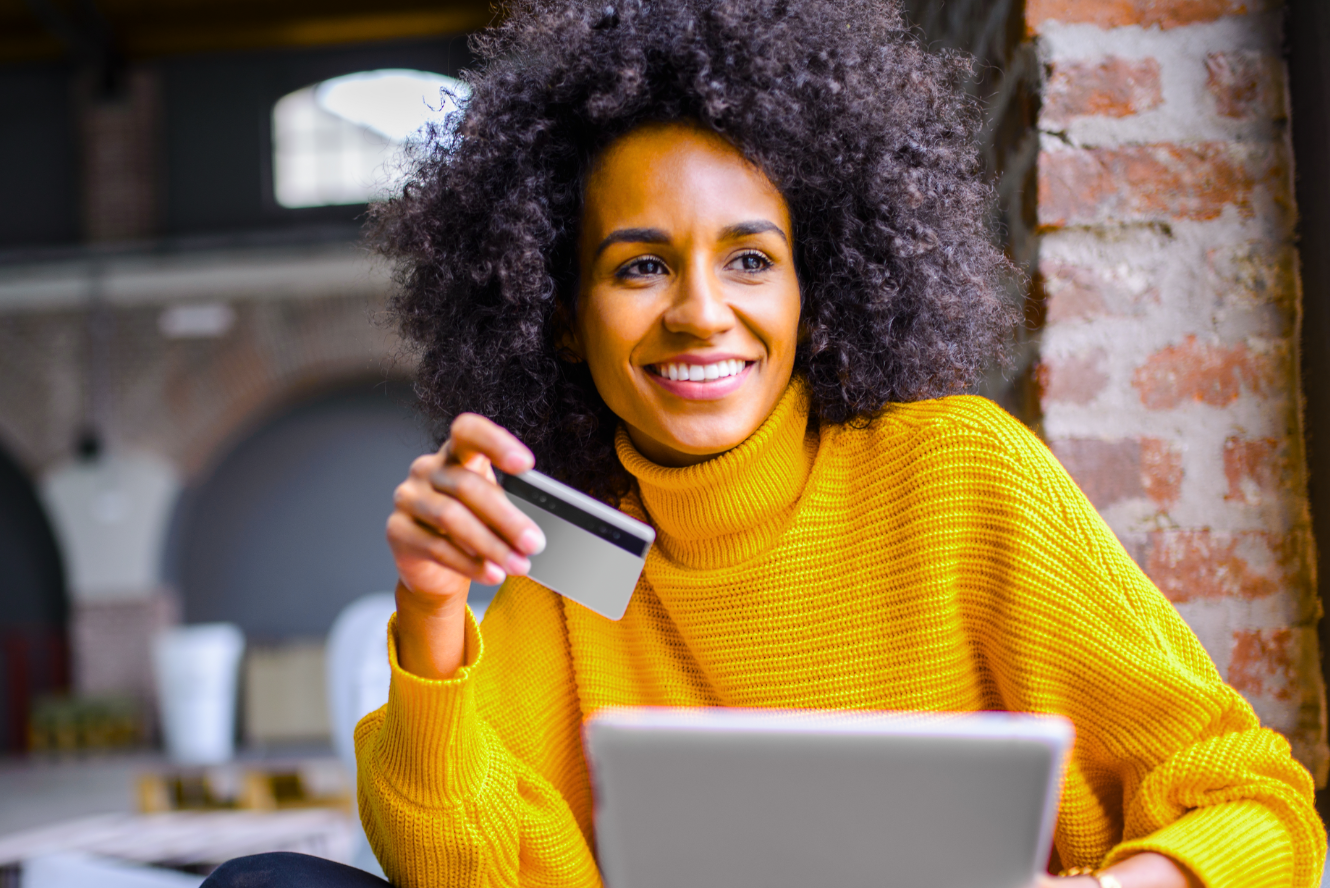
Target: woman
[[715, 263]]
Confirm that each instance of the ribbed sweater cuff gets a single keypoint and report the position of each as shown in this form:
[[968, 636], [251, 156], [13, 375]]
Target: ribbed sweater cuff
[[430, 745], [1205, 841]]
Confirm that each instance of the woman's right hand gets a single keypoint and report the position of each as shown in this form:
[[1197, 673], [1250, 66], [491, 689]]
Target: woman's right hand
[[451, 524]]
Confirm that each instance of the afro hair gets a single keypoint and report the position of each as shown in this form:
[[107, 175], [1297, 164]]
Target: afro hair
[[868, 136]]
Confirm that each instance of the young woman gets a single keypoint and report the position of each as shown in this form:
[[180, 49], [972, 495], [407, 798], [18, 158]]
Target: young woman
[[717, 262]]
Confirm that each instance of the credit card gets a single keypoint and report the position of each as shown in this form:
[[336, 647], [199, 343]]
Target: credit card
[[593, 554]]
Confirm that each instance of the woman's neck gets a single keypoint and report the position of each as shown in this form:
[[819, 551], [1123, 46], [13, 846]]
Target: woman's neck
[[727, 509]]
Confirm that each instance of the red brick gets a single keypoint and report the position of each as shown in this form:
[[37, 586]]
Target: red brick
[[1147, 13], [1196, 371], [1076, 293], [1106, 471], [1109, 472], [1075, 380], [1200, 564], [1246, 85], [1154, 182], [1161, 471], [1253, 467], [1258, 273], [120, 199], [1072, 293], [1112, 87], [1264, 663]]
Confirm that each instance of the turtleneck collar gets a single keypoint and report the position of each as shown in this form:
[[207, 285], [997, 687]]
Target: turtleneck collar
[[733, 507]]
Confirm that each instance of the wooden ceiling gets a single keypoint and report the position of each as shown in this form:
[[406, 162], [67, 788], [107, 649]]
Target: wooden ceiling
[[32, 30]]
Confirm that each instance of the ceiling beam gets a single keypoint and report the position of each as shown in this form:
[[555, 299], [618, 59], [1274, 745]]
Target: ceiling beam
[[157, 36], [174, 38]]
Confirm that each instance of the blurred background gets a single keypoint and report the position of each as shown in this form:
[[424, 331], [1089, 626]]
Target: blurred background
[[204, 411]]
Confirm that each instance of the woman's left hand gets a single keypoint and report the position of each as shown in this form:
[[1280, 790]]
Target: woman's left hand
[[1144, 870]]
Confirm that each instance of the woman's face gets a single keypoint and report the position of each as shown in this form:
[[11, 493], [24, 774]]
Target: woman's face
[[688, 304]]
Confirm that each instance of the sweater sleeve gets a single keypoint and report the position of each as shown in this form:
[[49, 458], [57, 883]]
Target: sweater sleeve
[[466, 781], [1168, 758]]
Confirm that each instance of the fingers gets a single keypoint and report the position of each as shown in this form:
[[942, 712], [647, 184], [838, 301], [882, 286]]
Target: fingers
[[473, 435], [409, 538], [451, 512], [469, 519], [490, 504], [472, 512]]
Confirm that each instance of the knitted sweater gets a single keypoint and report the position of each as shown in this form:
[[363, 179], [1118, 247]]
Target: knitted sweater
[[940, 559]]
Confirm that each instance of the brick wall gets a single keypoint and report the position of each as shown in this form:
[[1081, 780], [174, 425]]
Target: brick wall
[[121, 156], [1168, 373], [182, 399]]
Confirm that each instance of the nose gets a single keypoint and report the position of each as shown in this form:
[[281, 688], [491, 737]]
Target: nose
[[699, 307]]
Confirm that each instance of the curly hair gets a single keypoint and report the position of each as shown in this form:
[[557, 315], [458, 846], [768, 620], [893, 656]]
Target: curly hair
[[868, 136]]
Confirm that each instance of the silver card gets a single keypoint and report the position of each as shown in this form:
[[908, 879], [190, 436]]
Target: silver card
[[593, 554]]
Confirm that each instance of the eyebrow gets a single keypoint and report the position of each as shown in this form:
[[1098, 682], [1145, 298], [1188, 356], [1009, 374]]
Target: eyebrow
[[657, 236], [632, 236], [747, 229]]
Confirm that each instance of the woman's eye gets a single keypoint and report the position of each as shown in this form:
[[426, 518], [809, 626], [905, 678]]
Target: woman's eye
[[751, 262], [644, 267]]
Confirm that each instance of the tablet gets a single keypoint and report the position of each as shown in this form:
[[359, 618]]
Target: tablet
[[731, 798]]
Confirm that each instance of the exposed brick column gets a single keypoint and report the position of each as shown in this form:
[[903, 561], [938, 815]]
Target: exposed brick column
[[121, 158], [1169, 357]]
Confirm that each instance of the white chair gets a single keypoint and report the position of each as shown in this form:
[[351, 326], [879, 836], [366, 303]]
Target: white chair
[[358, 678]]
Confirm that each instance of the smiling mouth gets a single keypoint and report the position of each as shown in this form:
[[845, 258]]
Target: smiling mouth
[[698, 372]]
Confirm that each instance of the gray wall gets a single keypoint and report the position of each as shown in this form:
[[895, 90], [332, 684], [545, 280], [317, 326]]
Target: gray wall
[[38, 156], [32, 583], [33, 605], [289, 526], [217, 127]]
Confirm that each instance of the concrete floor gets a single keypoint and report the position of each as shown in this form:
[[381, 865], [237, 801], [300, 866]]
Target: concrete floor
[[37, 793]]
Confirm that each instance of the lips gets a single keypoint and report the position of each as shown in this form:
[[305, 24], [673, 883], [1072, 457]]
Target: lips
[[692, 372], [695, 378]]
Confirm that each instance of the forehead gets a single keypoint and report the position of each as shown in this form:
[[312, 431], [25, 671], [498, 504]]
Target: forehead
[[667, 175]]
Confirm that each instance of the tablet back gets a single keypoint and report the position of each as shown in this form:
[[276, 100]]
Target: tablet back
[[727, 798]]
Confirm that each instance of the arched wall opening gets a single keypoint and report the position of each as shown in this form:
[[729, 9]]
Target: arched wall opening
[[286, 527], [34, 606]]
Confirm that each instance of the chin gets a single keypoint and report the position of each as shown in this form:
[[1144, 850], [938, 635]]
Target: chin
[[711, 443]]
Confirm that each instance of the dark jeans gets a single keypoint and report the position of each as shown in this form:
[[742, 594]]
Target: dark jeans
[[285, 869]]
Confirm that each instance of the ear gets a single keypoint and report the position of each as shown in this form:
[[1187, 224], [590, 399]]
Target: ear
[[569, 349], [567, 344]]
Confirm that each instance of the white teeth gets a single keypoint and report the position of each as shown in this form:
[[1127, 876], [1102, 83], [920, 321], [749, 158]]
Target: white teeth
[[700, 372]]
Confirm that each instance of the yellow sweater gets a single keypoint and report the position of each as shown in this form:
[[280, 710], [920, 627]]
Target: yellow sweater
[[939, 560]]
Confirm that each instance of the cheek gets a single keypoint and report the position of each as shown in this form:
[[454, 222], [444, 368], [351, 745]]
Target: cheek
[[608, 333], [782, 323]]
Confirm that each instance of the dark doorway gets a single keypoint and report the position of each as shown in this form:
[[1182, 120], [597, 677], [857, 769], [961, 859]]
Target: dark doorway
[[288, 527], [34, 657], [1308, 41], [1005, 81]]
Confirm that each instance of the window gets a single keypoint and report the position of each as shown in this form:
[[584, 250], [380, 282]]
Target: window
[[337, 142]]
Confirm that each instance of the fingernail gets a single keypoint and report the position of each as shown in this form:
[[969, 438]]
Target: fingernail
[[531, 541], [516, 564], [493, 574], [520, 461]]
